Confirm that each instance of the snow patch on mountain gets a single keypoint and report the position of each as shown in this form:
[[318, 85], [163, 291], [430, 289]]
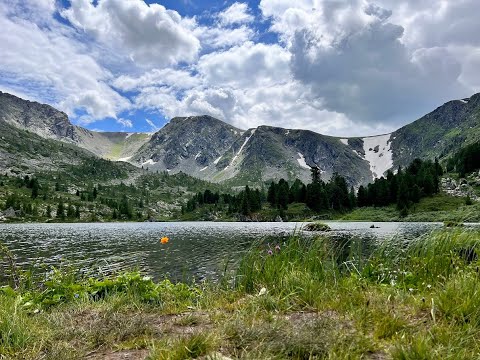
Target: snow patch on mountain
[[149, 162], [465, 101], [378, 154], [302, 162], [217, 160], [125, 159], [205, 168], [241, 148], [344, 141]]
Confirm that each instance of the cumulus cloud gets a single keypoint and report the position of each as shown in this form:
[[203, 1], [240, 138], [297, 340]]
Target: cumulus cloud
[[431, 23], [244, 66], [221, 37], [355, 62], [48, 65], [237, 13], [351, 67], [150, 35]]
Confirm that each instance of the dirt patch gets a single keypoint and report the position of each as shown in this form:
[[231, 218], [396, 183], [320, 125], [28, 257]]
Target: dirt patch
[[181, 324], [119, 355]]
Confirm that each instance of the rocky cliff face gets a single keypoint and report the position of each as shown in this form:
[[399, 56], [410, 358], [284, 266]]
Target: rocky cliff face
[[44, 120]]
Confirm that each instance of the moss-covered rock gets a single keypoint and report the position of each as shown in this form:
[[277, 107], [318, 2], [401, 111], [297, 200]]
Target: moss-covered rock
[[317, 226]]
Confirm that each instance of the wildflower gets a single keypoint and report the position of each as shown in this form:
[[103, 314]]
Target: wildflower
[[262, 291], [164, 240], [76, 296], [277, 247], [147, 278], [269, 252]]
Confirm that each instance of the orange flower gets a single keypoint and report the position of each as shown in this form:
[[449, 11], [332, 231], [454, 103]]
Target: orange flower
[[164, 240]]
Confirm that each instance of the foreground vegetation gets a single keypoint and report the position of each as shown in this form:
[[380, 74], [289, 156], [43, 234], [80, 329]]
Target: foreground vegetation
[[306, 298]]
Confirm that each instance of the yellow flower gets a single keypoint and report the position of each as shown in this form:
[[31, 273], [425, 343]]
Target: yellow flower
[[164, 240]]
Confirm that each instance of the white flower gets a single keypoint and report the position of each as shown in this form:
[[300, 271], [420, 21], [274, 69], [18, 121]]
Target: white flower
[[262, 291]]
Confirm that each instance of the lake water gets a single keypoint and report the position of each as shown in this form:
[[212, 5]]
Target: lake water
[[198, 249]]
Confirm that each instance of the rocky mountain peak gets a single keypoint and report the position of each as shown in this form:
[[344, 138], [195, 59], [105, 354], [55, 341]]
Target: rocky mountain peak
[[42, 119]]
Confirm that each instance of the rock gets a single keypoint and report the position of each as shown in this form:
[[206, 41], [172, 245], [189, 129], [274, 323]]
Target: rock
[[9, 213], [278, 218], [317, 227]]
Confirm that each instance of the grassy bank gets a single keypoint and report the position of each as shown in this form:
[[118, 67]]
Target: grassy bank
[[300, 299], [439, 207]]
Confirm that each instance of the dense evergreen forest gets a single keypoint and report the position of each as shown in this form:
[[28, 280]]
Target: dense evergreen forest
[[404, 188], [466, 160]]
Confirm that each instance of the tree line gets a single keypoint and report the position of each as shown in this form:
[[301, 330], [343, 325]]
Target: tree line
[[404, 187]]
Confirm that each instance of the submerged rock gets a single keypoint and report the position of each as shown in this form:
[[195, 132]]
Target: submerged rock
[[317, 227]]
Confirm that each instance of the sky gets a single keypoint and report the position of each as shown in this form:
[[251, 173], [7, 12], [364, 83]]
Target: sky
[[337, 67]]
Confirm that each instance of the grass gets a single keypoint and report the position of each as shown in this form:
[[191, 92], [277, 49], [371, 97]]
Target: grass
[[439, 208], [310, 298]]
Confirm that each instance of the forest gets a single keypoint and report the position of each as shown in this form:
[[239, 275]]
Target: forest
[[404, 188]]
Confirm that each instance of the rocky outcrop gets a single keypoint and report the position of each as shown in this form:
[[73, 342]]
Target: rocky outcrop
[[463, 187], [41, 119]]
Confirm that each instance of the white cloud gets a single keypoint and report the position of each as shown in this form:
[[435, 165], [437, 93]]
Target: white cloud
[[149, 35], [178, 79], [126, 123], [248, 65], [356, 64], [221, 37], [47, 64], [350, 67], [152, 124], [237, 13]]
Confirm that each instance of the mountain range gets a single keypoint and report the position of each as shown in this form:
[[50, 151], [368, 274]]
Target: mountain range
[[210, 149]]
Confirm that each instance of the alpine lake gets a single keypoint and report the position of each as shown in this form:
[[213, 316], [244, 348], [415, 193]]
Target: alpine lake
[[195, 250]]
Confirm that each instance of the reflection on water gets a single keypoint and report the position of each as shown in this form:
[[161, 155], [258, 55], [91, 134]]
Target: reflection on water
[[200, 249]]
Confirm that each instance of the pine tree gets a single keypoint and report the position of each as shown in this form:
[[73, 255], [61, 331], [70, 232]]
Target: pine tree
[[35, 188], [70, 211], [61, 211], [402, 196], [362, 196], [245, 202], [272, 194], [315, 173], [282, 194]]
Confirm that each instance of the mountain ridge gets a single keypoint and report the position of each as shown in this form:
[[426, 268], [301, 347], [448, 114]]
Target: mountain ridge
[[213, 150]]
